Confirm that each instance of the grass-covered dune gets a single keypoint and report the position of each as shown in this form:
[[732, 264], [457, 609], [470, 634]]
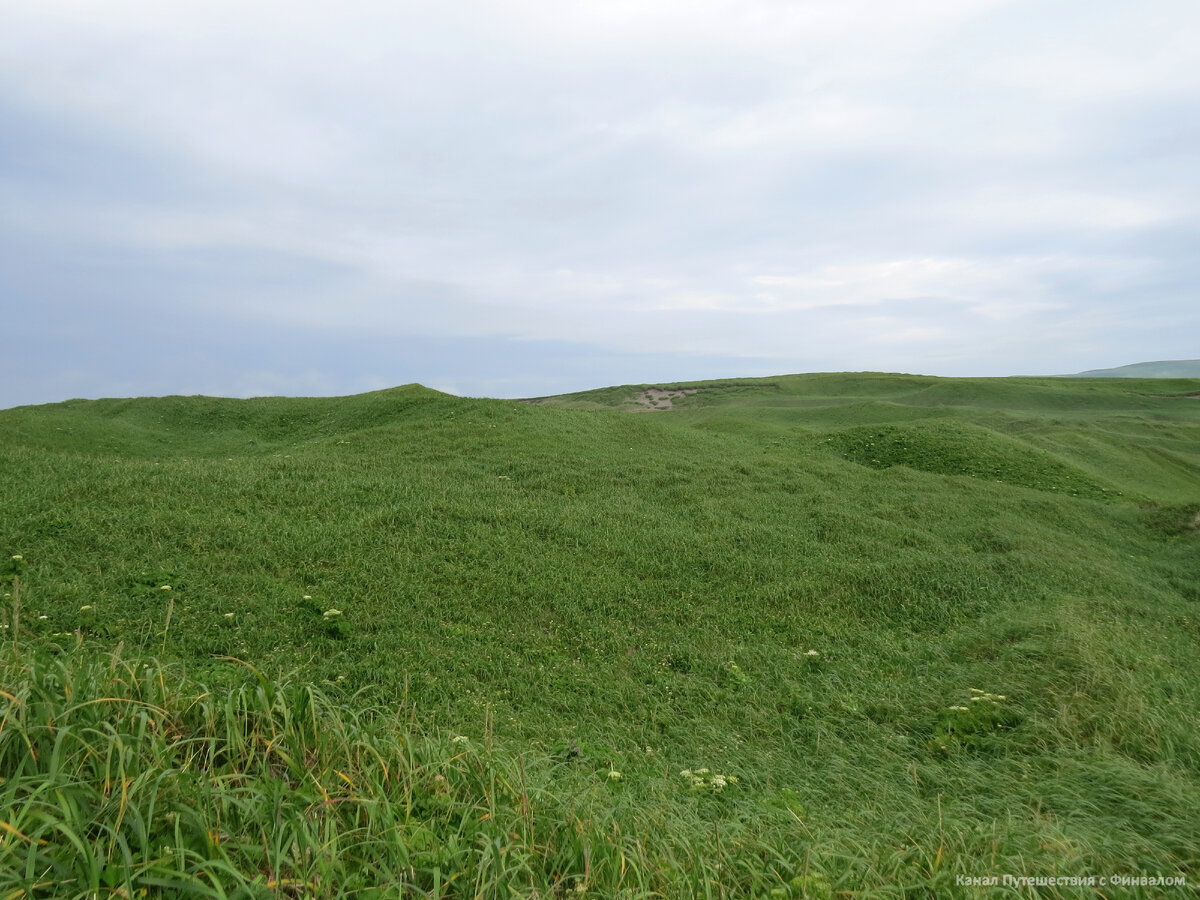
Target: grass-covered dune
[[894, 629]]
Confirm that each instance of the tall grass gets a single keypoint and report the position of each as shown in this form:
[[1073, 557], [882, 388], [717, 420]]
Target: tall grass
[[933, 628], [122, 777]]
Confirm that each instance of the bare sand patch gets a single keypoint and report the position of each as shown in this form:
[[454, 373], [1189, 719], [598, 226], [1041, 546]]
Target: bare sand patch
[[660, 398]]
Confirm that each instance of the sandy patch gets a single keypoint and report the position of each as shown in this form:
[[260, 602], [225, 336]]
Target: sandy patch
[[660, 398]]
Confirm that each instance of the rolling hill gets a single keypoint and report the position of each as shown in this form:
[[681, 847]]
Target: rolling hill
[[896, 630], [1167, 368]]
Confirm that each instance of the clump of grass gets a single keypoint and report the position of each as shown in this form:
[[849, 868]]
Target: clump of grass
[[974, 724]]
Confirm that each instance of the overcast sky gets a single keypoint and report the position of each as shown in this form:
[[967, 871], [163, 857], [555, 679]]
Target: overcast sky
[[519, 198]]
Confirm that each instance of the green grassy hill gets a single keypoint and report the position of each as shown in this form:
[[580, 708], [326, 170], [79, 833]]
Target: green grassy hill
[[932, 627]]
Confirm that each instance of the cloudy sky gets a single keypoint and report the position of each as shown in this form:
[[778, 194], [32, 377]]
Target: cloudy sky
[[524, 197]]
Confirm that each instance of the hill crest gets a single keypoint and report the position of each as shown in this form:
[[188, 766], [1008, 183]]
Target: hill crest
[[1163, 368]]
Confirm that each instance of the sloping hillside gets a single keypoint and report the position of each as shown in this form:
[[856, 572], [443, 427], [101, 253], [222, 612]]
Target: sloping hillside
[[806, 583]]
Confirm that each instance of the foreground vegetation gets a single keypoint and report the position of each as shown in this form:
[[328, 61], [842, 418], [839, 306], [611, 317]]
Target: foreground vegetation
[[895, 630], [125, 778]]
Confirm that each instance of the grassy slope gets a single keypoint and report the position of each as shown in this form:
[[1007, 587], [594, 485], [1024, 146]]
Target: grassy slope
[[648, 587]]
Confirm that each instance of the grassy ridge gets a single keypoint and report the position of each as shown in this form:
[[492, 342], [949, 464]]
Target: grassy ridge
[[799, 582]]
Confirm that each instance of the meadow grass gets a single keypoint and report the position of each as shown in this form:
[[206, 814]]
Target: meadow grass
[[921, 628]]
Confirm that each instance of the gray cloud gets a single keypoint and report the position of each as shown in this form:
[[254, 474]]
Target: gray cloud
[[572, 194]]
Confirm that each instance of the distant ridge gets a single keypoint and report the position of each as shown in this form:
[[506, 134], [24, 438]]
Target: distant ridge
[[1166, 368]]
